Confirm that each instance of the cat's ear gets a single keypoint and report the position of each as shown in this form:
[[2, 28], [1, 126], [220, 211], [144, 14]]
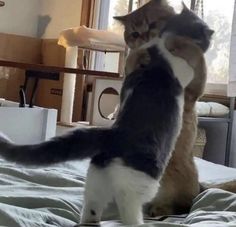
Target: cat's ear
[[209, 32], [121, 19]]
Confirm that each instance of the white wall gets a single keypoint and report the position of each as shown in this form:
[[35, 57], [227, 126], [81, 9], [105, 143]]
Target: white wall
[[26, 17], [20, 17], [64, 14]]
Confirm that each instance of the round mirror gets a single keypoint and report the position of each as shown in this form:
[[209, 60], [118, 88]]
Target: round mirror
[[107, 103]]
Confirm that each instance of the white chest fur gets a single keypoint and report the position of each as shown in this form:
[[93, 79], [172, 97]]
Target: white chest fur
[[182, 70]]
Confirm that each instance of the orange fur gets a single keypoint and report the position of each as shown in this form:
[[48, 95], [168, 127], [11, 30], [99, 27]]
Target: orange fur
[[147, 21]]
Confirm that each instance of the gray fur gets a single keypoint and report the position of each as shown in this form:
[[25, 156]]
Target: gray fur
[[188, 24], [142, 136]]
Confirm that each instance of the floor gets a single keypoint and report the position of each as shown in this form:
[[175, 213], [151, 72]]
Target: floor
[[61, 129]]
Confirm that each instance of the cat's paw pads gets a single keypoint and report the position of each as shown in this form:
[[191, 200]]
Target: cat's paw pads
[[155, 210]]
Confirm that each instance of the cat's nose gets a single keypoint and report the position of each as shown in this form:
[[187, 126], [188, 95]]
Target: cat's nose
[[145, 37]]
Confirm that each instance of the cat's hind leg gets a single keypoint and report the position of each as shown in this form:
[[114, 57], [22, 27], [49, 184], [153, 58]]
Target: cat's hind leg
[[96, 196], [132, 189], [130, 207]]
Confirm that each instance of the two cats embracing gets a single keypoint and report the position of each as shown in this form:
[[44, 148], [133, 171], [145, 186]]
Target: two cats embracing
[[144, 155]]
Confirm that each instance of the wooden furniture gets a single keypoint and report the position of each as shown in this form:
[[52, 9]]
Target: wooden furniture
[[36, 75], [20, 49], [21, 65], [40, 71], [106, 92], [27, 125], [93, 43]]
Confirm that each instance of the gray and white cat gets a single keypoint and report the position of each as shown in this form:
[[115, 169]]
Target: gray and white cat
[[127, 159]]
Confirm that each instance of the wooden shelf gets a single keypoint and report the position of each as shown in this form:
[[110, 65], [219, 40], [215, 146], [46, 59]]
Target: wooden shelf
[[40, 67]]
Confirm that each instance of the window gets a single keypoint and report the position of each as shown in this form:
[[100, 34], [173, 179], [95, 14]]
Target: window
[[177, 4], [219, 16], [117, 7], [109, 8], [109, 61]]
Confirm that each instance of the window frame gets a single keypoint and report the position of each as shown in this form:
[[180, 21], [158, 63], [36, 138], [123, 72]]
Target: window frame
[[102, 23]]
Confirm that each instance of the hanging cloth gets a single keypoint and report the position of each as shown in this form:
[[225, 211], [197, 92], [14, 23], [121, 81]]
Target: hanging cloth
[[232, 60], [199, 8]]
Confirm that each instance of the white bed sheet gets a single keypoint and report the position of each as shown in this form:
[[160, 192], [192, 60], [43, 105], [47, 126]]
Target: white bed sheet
[[211, 173], [52, 196], [41, 197]]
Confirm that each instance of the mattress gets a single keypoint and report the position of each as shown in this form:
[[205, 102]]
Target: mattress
[[53, 196], [211, 173]]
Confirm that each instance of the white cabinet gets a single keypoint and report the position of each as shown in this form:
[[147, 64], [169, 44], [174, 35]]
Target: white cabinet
[[27, 125]]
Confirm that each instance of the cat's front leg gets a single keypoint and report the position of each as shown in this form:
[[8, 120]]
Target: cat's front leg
[[137, 59], [97, 195], [189, 51]]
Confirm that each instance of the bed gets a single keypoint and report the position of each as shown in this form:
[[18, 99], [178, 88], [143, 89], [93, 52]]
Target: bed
[[52, 196]]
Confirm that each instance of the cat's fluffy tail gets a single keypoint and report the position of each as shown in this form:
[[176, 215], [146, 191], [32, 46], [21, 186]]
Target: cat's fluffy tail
[[79, 144]]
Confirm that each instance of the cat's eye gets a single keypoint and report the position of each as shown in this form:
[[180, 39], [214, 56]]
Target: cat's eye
[[152, 25], [135, 35]]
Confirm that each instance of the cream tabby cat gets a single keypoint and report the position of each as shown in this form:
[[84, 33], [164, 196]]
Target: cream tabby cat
[[180, 182]]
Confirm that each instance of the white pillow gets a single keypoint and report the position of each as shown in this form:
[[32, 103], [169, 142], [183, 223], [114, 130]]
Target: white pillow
[[211, 109]]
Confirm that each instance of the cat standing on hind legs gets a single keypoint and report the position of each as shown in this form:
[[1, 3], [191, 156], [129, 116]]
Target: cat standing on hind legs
[[141, 25], [127, 159], [131, 188]]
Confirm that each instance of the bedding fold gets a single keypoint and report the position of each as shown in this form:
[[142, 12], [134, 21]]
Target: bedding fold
[[53, 196]]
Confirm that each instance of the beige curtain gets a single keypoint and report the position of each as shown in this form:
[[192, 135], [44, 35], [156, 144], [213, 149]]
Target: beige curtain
[[232, 62], [198, 7], [94, 13]]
